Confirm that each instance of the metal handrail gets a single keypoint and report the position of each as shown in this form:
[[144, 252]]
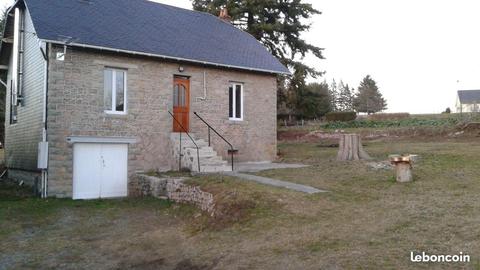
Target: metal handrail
[[232, 150], [180, 142]]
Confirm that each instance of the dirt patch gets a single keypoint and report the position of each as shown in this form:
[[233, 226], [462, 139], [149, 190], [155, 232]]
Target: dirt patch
[[154, 264], [309, 136], [471, 129], [188, 265], [231, 208], [291, 135], [328, 137]]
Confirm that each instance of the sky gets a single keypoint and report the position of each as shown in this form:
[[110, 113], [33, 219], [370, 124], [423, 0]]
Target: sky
[[419, 52]]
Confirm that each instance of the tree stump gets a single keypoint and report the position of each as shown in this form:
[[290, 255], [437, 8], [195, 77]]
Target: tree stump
[[351, 148], [403, 172], [403, 167]]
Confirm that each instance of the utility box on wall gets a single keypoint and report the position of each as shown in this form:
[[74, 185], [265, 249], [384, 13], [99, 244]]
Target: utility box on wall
[[42, 161]]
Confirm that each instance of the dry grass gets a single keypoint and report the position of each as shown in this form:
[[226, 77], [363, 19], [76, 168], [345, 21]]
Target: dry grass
[[366, 221]]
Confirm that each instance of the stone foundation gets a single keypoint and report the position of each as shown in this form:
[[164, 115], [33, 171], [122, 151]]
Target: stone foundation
[[172, 188], [29, 178]]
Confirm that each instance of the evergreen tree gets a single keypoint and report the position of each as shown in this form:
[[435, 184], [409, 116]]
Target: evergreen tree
[[333, 90], [278, 25], [369, 99], [345, 97], [314, 101]]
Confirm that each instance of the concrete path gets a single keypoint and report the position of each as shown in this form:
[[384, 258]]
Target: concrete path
[[262, 166], [275, 182]]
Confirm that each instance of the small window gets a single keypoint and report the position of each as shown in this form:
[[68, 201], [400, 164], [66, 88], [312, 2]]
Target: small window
[[235, 101], [115, 91]]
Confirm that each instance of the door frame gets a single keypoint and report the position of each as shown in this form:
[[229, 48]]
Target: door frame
[[185, 80]]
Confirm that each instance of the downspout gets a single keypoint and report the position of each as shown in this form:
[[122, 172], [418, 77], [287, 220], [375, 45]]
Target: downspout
[[204, 86], [44, 50]]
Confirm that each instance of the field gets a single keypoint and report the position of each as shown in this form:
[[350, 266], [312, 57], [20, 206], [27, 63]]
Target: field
[[365, 221]]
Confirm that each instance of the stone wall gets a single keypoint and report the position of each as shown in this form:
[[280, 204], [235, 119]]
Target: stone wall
[[75, 107], [29, 178], [172, 188], [179, 192]]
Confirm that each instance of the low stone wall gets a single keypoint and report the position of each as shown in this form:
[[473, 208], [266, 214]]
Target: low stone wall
[[146, 185], [179, 192], [172, 188]]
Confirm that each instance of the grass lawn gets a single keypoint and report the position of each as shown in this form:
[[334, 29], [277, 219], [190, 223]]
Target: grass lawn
[[366, 221]]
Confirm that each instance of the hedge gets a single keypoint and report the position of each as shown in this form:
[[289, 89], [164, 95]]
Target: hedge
[[340, 116]]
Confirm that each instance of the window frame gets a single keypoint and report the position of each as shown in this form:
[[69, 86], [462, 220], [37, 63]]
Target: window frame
[[113, 110], [234, 85]]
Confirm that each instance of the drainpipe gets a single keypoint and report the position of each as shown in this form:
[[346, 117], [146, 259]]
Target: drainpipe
[[204, 87], [44, 49]]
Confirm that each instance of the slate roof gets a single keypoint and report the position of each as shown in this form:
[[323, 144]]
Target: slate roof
[[149, 28], [469, 96]]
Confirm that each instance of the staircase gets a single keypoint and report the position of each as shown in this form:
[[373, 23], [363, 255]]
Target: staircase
[[210, 161]]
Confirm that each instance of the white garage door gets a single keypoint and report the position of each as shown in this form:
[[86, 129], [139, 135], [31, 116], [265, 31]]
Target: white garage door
[[99, 170]]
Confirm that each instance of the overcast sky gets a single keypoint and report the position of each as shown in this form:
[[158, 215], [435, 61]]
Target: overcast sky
[[419, 52]]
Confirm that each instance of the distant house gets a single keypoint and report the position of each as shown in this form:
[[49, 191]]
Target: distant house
[[468, 101], [91, 84]]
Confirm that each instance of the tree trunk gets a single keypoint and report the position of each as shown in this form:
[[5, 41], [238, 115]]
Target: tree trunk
[[350, 148]]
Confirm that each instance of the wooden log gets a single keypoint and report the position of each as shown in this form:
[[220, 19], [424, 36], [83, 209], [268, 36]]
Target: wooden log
[[403, 171], [351, 148]]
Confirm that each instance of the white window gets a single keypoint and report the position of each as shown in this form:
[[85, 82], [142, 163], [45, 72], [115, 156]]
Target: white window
[[235, 102], [115, 91]]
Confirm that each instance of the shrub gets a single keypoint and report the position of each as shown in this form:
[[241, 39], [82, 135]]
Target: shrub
[[409, 122], [340, 116], [388, 116]]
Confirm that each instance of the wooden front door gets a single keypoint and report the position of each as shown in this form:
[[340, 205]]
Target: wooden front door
[[181, 103]]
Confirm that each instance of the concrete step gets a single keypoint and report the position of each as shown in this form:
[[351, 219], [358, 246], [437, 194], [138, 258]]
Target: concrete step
[[212, 169], [202, 152], [190, 144], [213, 162], [210, 161]]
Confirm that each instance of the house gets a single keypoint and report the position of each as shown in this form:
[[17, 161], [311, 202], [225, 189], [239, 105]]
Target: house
[[468, 101], [91, 85]]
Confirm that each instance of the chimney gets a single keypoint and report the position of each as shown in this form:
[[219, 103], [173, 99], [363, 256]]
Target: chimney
[[224, 15]]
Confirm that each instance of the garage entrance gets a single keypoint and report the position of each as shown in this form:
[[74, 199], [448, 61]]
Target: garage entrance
[[100, 170]]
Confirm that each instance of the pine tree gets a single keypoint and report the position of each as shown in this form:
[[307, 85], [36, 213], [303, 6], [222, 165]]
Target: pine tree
[[369, 99], [278, 25], [333, 90], [345, 97]]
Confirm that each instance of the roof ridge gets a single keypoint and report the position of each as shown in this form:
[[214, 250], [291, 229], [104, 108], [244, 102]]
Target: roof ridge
[[154, 29]]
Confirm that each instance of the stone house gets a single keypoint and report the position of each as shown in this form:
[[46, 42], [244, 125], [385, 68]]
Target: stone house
[[98, 91], [468, 101]]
